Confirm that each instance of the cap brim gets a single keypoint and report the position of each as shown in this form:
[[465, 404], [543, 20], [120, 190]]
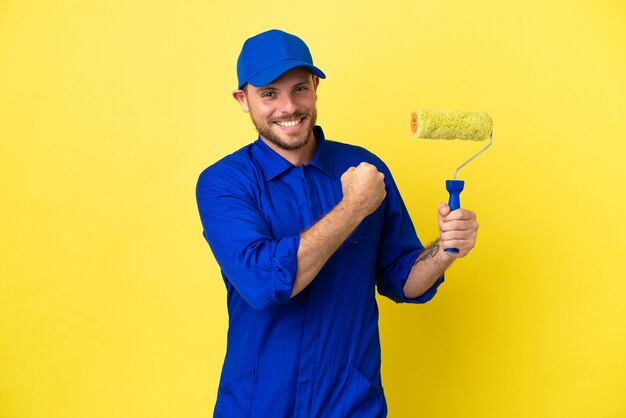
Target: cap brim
[[270, 74]]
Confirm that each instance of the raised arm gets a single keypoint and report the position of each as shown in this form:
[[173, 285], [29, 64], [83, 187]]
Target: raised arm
[[266, 270], [363, 191]]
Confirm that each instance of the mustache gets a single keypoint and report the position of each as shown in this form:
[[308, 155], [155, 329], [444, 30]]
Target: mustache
[[296, 115]]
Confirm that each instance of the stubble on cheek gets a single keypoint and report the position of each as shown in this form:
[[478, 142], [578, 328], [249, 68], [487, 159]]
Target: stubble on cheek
[[270, 131]]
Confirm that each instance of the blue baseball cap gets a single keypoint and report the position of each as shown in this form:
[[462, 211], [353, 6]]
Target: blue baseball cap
[[268, 55]]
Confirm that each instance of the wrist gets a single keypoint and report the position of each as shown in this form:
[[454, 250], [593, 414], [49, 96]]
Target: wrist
[[436, 252], [353, 209], [443, 257]]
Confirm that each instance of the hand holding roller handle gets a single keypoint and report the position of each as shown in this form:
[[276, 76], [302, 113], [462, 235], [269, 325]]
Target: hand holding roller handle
[[457, 228]]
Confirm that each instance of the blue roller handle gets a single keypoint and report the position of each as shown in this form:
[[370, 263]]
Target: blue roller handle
[[454, 187]]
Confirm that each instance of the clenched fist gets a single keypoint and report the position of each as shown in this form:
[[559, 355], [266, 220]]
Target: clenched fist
[[363, 188]]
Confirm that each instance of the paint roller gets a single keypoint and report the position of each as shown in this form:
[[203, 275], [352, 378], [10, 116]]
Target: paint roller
[[453, 124]]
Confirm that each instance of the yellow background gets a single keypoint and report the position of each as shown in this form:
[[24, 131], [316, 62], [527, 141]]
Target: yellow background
[[110, 301]]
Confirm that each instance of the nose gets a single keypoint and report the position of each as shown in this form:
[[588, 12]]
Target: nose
[[287, 104]]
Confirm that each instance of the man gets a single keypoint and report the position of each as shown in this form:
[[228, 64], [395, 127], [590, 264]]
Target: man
[[304, 230]]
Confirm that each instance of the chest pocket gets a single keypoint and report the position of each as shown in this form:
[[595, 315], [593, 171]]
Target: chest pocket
[[354, 265], [370, 228]]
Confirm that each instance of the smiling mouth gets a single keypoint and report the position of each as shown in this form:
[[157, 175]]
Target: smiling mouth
[[289, 123]]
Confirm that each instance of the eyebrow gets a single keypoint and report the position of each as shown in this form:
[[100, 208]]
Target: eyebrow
[[270, 88], [264, 89]]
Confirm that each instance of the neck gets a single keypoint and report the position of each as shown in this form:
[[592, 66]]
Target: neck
[[298, 157]]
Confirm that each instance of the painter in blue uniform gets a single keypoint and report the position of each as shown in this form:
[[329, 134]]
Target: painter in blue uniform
[[305, 230]]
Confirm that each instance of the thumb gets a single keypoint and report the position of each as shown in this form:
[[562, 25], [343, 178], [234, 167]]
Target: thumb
[[443, 209]]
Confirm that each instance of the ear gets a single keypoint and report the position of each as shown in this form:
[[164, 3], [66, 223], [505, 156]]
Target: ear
[[241, 98], [316, 82]]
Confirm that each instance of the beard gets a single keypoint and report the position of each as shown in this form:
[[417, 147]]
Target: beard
[[285, 140]]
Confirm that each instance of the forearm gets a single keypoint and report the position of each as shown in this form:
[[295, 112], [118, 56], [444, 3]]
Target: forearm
[[320, 241], [363, 191], [428, 267]]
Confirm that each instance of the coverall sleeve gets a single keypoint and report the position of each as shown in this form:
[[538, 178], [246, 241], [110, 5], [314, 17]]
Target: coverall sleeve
[[262, 269], [399, 248]]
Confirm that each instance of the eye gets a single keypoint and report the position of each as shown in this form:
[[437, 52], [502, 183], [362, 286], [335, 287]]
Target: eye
[[268, 94], [301, 89]]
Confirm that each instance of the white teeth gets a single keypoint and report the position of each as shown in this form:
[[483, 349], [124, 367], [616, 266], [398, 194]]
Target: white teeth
[[289, 123]]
